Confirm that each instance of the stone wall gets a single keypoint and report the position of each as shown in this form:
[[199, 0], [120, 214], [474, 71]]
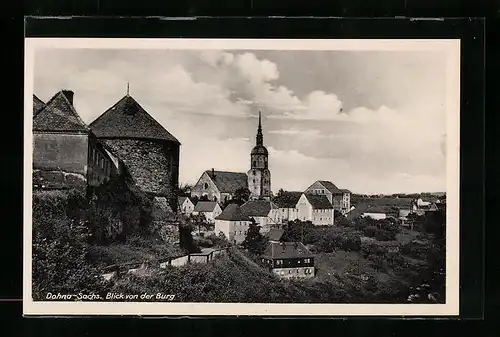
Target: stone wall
[[59, 160], [153, 165]]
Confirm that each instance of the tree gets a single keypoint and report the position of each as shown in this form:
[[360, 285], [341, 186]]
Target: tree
[[254, 241], [186, 241], [241, 195], [185, 189]]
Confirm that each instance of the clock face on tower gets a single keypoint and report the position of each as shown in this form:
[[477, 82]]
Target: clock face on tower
[[259, 177]]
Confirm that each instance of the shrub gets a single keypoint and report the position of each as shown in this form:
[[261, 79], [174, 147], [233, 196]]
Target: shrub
[[370, 231]]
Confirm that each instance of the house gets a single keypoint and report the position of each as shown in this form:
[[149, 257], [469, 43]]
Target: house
[[210, 209], [233, 223], [185, 205], [339, 198], [264, 212], [289, 259], [66, 152], [287, 205], [375, 212], [219, 185], [149, 152], [315, 208]]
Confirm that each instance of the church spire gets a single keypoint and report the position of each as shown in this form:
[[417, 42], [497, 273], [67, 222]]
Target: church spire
[[260, 137]]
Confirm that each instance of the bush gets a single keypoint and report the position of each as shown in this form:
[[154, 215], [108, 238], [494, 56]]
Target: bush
[[370, 231]]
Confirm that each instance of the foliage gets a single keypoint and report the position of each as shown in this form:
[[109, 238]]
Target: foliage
[[60, 248], [370, 231], [184, 190], [342, 221], [254, 241], [186, 241]]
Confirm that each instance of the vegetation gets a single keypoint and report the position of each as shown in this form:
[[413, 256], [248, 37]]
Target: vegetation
[[254, 241]]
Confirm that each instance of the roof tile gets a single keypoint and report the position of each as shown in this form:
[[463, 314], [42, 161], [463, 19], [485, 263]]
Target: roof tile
[[232, 213], [59, 115], [128, 119], [228, 182]]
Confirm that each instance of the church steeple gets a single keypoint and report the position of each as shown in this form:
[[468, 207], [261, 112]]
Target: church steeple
[[260, 137]]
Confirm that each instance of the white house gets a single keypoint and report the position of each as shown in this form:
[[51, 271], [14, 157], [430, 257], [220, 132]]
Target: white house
[[210, 209], [185, 204], [375, 212], [264, 212], [339, 198], [233, 223], [315, 208], [287, 206]]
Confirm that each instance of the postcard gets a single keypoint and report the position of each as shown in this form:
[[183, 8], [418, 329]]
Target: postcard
[[241, 177]]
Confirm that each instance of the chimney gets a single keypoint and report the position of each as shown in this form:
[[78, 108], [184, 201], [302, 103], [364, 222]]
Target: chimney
[[213, 173], [69, 95]]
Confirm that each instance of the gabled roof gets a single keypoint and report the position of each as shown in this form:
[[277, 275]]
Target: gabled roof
[[59, 115], [205, 206], [228, 182], [38, 105], [275, 234], [286, 250], [377, 209], [180, 200], [318, 201], [128, 119], [257, 208], [288, 199], [345, 190], [232, 213], [330, 186]]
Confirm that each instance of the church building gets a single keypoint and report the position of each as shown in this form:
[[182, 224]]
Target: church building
[[259, 176]]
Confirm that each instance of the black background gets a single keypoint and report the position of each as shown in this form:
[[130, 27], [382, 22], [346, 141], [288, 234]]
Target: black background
[[472, 32]]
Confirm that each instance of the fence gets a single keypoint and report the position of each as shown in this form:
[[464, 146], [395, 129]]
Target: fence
[[205, 256]]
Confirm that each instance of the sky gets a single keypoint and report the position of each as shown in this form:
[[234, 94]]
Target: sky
[[369, 121]]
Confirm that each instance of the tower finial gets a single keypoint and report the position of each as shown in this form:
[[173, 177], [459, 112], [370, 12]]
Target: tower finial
[[259, 132], [128, 88]]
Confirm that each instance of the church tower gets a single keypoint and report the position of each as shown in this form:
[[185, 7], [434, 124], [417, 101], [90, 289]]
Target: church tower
[[259, 176]]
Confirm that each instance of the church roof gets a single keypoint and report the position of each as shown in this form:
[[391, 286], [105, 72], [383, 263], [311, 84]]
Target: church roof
[[232, 213], [128, 119], [330, 186], [228, 182], [258, 208], [38, 105], [59, 115], [205, 206], [318, 201]]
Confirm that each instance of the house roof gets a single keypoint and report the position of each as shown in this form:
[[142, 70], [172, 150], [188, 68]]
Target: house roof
[[318, 201], [205, 206], [286, 250], [232, 212], [228, 182], [38, 105], [274, 234], [257, 208], [345, 190], [59, 115], [180, 200], [128, 119], [287, 200], [330, 186]]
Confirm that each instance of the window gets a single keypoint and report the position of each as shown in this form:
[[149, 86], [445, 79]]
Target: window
[[254, 181], [254, 163], [298, 261], [298, 270], [307, 260], [206, 185], [289, 271]]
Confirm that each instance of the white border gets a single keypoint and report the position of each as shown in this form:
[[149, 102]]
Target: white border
[[451, 307]]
